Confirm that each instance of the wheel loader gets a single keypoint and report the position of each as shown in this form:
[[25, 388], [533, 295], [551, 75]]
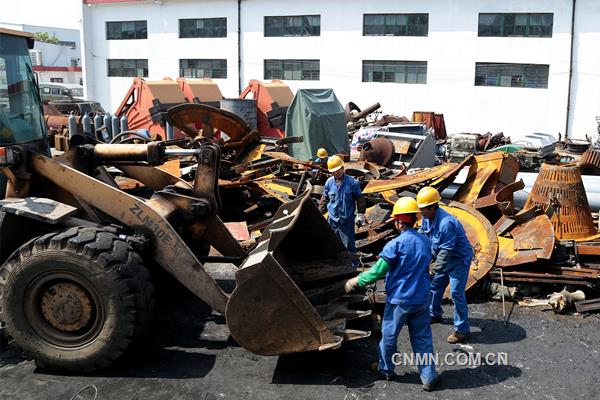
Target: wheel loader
[[77, 250]]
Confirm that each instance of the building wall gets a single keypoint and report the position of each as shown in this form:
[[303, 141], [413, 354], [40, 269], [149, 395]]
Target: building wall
[[163, 48], [585, 96], [67, 76], [451, 50]]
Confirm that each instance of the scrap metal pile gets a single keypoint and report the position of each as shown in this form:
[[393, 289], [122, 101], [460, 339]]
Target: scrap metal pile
[[551, 240]]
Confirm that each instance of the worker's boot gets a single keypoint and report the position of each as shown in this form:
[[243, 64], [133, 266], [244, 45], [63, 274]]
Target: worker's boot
[[388, 376], [429, 387], [459, 337]]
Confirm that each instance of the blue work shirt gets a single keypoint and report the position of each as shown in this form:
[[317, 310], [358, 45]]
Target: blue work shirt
[[447, 233], [409, 256], [342, 199]]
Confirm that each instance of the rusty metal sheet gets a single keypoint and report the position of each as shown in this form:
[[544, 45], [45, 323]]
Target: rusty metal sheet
[[588, 248], [447, 178], [291, 160], [371, 239], [481, 236], [503, 199], [185, 116], [470, 191], [405, 181], [529, 241], [480, 182]]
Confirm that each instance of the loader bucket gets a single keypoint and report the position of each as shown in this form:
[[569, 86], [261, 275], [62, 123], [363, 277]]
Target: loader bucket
[[289, 294]]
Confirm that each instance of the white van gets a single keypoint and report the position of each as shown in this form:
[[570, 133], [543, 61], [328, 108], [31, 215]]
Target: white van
[[51, 91]]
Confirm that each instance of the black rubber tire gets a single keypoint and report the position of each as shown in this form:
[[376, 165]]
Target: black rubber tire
[[107, 266]]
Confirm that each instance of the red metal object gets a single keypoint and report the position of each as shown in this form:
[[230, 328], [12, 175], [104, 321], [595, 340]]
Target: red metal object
[[272, 100], [201, 91], [432, 120], [145, 100]]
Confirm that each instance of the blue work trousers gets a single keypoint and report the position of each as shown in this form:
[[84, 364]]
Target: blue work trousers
[[416, 316], [456, 273], [345, 232]]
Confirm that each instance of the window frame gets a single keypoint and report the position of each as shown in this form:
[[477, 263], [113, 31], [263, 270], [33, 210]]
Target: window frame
[[213, 61], [532, 76], [413, 73], [303, 73], [123, 67], [397, 29], [508, 29], [217, 31], [288, 21], [134, 22]]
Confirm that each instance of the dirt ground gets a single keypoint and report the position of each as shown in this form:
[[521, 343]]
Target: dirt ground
[[188, 355]]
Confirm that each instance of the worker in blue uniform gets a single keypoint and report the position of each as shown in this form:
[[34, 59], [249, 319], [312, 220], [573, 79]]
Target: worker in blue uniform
[[343, 196], [322, 157], [405, 260], [453, 254]]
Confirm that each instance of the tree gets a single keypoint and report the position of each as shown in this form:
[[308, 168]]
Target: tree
[[45, 37]]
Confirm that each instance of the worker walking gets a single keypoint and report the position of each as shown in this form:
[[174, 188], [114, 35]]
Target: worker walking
[[405, 260], [343, 196], [453, 254]]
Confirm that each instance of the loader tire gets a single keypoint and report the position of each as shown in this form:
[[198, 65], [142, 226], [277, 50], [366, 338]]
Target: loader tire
[[75, 300]]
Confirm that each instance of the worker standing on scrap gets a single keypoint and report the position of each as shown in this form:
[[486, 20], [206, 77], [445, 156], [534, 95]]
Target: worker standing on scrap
[[453, 254], [406, 261], [343, 195]]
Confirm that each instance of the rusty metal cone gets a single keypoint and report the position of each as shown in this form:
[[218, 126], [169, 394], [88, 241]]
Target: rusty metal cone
[[560, 185]]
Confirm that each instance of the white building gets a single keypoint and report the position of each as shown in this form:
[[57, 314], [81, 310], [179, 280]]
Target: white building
[[60, 63], [508, 66]]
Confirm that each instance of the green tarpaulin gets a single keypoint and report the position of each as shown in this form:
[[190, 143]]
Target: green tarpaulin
[[317, 116]]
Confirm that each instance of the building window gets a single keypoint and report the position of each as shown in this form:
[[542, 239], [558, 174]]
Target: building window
[[297, 25], [512, 75], [519, 25], [129, 68], [293, 70], [203, 28], [120, 30], [194, 68], [71, 45], [395, 24], [57, 80], [395, 71]]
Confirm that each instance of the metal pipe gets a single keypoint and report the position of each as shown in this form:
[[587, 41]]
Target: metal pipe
[[573, 8], [239, 40], [372, 108]]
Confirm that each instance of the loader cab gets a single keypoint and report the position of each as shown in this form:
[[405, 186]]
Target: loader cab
[[21, 115]]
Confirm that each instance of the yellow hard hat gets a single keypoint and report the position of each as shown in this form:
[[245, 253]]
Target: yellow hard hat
[[428, 196], [322, 153], [405, 205], [335, 163]]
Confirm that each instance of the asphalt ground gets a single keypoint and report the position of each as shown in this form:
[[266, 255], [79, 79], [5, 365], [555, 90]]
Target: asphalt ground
[[187, 354]]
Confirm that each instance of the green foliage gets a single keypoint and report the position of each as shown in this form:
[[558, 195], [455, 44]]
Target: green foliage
[[45, 37]]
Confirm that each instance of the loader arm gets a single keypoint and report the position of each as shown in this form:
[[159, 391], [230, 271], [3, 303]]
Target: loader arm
[[169, 249]]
